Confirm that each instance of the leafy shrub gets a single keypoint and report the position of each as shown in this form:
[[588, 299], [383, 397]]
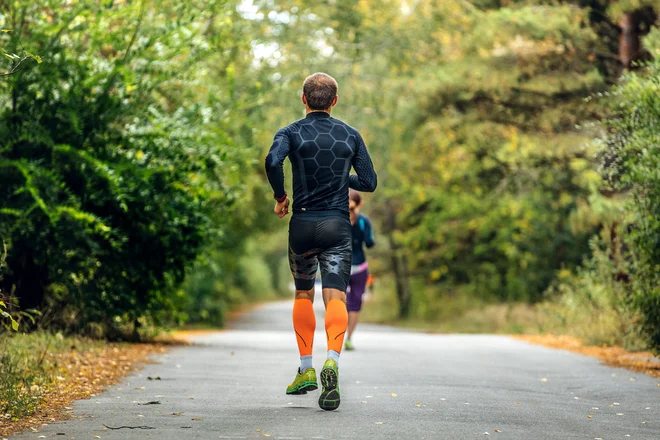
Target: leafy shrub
[[112, 166], [632, 161], [593, 303]]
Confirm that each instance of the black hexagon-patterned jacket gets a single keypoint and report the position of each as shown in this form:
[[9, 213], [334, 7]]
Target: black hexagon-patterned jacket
[[322, 151]]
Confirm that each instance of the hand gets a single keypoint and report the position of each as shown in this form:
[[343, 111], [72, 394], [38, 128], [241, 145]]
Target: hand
[[282, 209]]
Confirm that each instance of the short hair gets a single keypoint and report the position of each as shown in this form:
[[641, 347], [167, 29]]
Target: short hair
[[320, 89], [355, 196]]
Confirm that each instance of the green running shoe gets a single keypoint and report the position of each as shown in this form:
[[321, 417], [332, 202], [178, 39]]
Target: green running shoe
[[348, 345], [329, 398], [303, 382]]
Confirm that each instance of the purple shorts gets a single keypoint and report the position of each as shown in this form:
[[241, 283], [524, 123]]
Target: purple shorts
[[356, 287]]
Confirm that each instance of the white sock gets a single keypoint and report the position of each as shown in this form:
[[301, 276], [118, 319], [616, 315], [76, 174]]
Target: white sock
[[333, 355], [305, 363]]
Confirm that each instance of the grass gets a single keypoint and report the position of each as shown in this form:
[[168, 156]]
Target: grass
[[587, 311], [30, 365], [453, 314]]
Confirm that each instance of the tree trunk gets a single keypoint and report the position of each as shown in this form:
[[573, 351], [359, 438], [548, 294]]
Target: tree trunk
[[399, 265], [628, 40]]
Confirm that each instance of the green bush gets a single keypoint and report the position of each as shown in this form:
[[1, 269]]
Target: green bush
[[632, 161], [593, 303], [113, 162]]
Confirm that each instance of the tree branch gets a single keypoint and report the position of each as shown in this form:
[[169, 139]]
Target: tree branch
[[15, 68]]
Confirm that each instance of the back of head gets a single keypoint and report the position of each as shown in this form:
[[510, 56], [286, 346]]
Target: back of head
[[320, 90], [355, 197]]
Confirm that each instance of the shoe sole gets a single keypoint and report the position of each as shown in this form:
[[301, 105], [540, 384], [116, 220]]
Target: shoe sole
[[329, 399], [303, 388]]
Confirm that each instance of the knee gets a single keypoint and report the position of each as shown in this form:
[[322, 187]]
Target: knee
[[330, 294], [305, 294]]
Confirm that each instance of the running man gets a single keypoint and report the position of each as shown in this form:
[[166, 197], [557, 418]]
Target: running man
[[362, 235], [322, 151]]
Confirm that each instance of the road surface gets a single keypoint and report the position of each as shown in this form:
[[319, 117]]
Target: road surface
[[396, 385]]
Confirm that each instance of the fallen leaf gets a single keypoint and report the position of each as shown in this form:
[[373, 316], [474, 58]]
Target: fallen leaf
[[393, 394], [544, 379], [517, 403], [196, 418], [486, 433], [379, 423], [619, 414], [497, 430], [96, 436], [266, 435], [177, 414]]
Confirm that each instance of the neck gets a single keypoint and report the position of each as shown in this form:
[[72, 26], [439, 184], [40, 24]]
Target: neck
[[309, 110]]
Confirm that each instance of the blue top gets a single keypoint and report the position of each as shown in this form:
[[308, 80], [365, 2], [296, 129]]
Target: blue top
[[322, 151], [362, 233]]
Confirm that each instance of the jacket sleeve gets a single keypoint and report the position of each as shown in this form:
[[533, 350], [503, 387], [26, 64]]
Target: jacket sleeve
[[368, 233], [275, 161], [365, 180]]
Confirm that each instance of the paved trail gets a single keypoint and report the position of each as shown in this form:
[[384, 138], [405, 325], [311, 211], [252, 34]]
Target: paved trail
[[397, 385]]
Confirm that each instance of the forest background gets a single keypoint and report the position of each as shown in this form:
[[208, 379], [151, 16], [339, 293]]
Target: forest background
[[517, 146]]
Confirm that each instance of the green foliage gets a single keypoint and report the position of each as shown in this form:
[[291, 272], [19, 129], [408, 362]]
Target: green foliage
[[594, 303], [500, 166], [116, 164], [8, 319], [632, 159], [131, 183]]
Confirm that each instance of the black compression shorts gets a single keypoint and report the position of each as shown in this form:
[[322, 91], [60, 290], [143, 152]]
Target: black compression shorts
[[323, 240]]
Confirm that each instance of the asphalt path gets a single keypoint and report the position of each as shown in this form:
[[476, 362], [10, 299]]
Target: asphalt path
[[396, 385]]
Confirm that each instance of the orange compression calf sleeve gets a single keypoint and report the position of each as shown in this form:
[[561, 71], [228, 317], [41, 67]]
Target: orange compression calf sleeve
[[304, 323], [336, 321]]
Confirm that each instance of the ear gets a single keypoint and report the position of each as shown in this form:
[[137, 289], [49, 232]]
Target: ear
[[304, 99], [334, 101]]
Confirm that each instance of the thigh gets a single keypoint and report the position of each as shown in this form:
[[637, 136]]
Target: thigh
[[335, 258], [359, 281], [303, 253]]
